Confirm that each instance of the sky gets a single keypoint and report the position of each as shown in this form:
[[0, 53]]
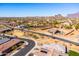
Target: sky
[[37, 9]]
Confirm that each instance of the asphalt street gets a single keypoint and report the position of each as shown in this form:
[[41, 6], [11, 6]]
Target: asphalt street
[[58, 38], [27, 48]]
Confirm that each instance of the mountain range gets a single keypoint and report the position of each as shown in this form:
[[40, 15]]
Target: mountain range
[[74, 15]]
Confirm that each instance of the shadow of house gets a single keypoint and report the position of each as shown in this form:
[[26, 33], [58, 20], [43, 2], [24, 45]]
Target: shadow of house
[[55, 31], [5, 30]]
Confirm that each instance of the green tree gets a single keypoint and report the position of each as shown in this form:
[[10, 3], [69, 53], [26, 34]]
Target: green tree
[[76, 26], [67, 26]]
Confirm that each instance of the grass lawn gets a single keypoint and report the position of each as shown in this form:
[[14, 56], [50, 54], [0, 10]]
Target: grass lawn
[[73, 53]]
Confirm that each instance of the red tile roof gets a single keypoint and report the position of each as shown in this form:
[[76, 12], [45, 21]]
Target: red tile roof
[[8, 44]]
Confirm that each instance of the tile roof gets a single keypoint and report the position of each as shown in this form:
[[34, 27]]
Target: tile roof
[[8, 44]]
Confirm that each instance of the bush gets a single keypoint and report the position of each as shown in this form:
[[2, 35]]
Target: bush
[[34, 36], [77, 26], [67, 27]]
